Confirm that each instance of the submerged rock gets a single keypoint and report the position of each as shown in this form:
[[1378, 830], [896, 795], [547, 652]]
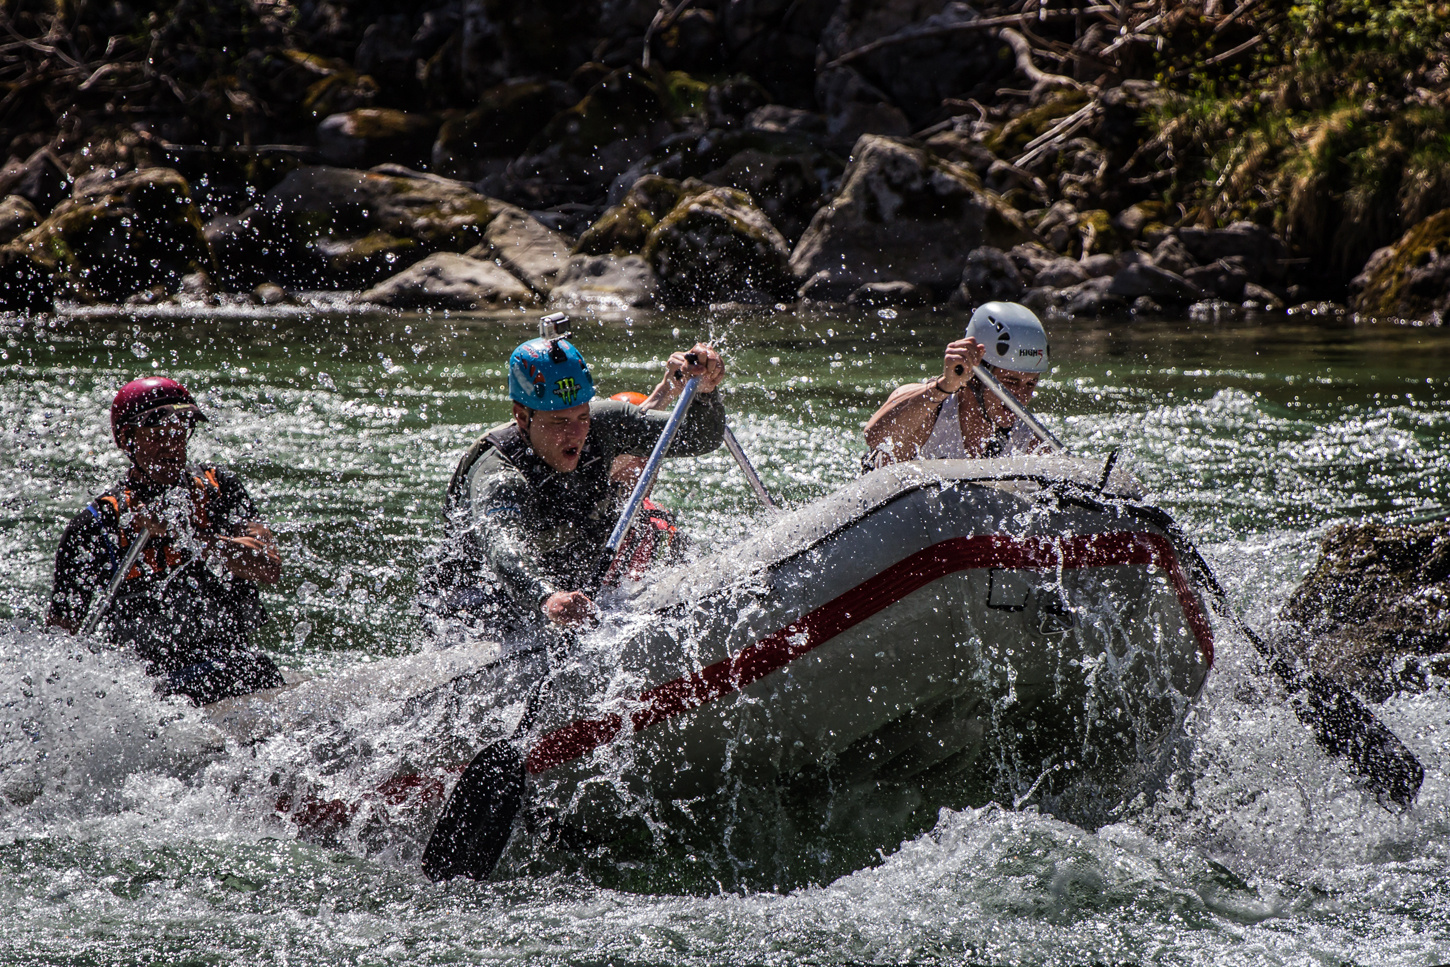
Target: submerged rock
[[1376, 607], [903, 214]]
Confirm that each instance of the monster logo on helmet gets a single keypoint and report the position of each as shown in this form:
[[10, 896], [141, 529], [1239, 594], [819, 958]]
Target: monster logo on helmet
[[549, 374], [1013, 335]]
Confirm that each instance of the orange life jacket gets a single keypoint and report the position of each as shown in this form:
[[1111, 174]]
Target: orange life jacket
[[204, 488]]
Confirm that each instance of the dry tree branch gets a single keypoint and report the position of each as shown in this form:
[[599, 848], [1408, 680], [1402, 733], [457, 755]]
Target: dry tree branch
[[971, 26], [1039, 78]]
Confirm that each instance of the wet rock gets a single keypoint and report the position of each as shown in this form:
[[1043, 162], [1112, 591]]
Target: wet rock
[[268, 294], [824, 286], [1222, 279], [525, 248], [624, 228], [583, 149], [923, 66], [780, 119], [373, 135], [1256, 296], [116, 236], [1031, 258], [1095, 266], [447, 280], [854, 107], [1146, 279], [29, 281], [40, 179], [889, 295], [1259, 251], [1061, 273], [1376, 607], [1095, 297], [1171, 254], [1411, 278], [605, 282], [990, 275], [339, 228], [902, 214], [508, 116], [718, 246], [17, 216], [785, 186]]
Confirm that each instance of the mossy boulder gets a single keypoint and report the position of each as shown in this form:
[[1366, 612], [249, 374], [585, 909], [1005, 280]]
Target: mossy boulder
[[117, 236], [1375, 611], [624, 228], [340, 228], [785, 186], [716, 245], [903, 214], [605, 282], [1411, 278], [370, 136]]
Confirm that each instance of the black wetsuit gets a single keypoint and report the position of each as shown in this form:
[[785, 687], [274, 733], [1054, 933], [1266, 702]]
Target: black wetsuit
[[186, 618], [517, 531]]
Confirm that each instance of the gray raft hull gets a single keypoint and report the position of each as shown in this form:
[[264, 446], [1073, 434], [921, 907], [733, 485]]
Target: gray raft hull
[[936, 634]]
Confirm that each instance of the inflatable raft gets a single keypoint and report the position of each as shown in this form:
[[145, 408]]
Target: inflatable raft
[[935, 634]]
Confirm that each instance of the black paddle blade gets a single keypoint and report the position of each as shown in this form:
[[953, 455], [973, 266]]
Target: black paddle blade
[[475, 823], [1344, 727]]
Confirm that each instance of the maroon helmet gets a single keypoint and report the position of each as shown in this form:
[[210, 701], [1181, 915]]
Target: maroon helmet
[[148, 400]]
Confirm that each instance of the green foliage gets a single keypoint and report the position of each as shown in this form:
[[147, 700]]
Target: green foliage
[[1335, 131]]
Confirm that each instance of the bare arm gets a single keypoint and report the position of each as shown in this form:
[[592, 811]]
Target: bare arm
[[909, 413]]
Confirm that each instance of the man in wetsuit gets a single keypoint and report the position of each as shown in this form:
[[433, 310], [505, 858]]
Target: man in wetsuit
[[953, 416], [189, 603], [530, 506]]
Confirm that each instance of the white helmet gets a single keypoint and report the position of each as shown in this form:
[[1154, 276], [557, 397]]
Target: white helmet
[[1013, 335]]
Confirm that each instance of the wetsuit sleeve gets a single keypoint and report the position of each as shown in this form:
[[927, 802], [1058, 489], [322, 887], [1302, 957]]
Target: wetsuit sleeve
[[84, 561], [635, 431], [498, 532]]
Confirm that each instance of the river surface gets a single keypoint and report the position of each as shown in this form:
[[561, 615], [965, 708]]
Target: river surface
[[127, 836]]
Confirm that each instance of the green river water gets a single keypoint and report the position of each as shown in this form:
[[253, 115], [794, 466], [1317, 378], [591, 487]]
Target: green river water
[[1258, 435]]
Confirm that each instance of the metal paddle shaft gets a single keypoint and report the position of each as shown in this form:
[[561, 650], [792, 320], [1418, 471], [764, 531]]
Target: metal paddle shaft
[[132, 553], [1341, 723], [1018, 410], [646, 478], [733, 445]]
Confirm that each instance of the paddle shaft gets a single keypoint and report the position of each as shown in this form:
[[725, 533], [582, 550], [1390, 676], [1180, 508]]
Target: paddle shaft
[[132, 553], [1342, 724], [646, 478], [756, 484]]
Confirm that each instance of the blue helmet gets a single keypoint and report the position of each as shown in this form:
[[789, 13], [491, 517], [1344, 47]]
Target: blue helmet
[[549, 374]]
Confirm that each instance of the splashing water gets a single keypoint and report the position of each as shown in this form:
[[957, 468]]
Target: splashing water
[[138, 829]]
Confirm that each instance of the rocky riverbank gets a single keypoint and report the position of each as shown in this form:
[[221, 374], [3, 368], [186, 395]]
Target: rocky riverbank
[[476, 154]]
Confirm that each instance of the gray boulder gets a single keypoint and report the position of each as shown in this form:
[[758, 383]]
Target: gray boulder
[[525, 247], [1061, 273], [605, 282], [1095, 297], [1158, 284], [882, 295], [990, 275], [903, 214], [447, 280]]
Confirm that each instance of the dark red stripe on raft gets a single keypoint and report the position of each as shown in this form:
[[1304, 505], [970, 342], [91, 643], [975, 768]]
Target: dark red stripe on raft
[[776, 650]]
